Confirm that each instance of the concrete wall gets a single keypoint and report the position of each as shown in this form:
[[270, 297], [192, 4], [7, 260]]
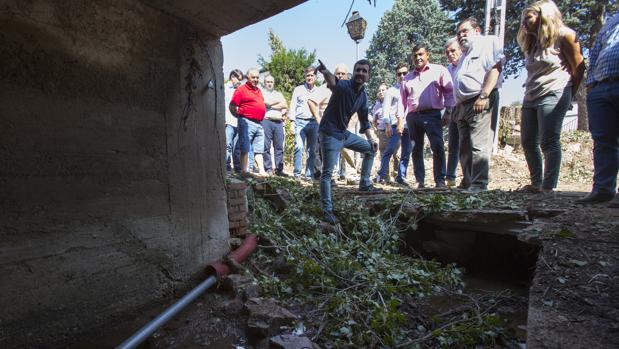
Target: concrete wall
[[111, 163]]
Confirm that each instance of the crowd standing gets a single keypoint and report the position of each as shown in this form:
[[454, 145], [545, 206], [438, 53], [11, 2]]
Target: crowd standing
[[333, 119]]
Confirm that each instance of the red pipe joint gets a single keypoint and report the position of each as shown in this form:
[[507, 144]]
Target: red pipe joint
[[221, 269]]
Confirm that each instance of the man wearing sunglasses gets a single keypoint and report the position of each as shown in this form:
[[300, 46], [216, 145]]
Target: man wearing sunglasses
[[395, 132]]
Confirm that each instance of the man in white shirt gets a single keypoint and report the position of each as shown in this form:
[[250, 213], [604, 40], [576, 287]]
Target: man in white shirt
[[233, 152], [305, 125], [273, 125], [478, 77], [453, 53]]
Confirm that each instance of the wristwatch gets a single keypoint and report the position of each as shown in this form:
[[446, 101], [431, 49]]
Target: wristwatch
[[483, 95]]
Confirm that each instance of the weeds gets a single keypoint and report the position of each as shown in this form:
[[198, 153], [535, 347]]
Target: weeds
[[355, 288]]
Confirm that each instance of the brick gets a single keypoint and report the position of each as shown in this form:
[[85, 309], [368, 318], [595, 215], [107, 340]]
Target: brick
[[237, 216], [237, 201], [237, 185]]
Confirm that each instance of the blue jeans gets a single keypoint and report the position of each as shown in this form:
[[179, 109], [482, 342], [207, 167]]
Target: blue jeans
[[330, 147], [419, 125], [393, 143], [305, 129], [603, 107], [233, 152], [454, 150], [273, 133], [541, 124], [251, 134]]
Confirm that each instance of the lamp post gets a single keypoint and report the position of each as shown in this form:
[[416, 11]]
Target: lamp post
[[356, 29]]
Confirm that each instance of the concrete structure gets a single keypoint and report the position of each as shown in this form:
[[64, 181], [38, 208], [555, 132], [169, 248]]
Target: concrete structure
[[111, 157]]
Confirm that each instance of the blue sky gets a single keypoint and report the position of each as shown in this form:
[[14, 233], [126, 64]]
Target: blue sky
[[316, 25]]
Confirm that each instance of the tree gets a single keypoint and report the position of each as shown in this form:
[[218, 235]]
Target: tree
[[586, 17], [286, 65], [408, 23]]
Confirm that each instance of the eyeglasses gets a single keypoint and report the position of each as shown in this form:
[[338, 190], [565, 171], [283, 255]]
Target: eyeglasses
[[403, 73]]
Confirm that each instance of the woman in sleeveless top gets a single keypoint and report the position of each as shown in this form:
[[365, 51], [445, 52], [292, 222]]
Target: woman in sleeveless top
[[555, 68]]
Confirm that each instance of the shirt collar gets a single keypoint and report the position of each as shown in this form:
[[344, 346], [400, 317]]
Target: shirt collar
[[251, 87], [427, 66]]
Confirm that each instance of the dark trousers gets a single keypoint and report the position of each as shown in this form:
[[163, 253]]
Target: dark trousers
[[427, 123], [454, 150], [273, 134], [603, 106]]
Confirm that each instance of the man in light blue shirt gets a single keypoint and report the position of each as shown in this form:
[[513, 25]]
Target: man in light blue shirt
[[305, 125], [396, 132], [603, 108]]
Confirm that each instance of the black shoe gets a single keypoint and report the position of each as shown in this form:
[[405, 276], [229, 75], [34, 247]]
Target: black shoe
[[401, 182], [440, 185], [330, 218], [615, 202], [281, 174], [370, 189], [596, 197], [421, 186]]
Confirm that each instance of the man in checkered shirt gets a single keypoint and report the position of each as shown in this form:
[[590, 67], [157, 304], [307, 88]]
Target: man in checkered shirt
[[603, 107]]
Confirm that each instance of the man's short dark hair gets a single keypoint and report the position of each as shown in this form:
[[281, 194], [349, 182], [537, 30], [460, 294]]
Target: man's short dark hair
[[237, 73], [400, 66], [310, 69], [472, 20], [419, 46], [363, 62]]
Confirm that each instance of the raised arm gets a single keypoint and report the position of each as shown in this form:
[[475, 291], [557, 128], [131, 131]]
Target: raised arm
[[329, 77]]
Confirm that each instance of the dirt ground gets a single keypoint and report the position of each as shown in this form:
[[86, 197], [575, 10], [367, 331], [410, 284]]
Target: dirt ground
[[573, 300]]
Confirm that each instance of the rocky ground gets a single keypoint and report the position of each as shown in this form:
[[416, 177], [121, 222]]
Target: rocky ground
[[569, 298]]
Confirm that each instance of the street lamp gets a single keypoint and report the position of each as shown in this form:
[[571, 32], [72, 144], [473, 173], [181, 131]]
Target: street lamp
[[356, 28]]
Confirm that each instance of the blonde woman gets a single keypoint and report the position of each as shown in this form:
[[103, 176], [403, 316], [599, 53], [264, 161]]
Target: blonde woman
[[555, 68]]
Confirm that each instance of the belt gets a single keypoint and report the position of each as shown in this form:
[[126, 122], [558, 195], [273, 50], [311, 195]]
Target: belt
[[252, 120], [474, 98], [605, 81], [426, 111]]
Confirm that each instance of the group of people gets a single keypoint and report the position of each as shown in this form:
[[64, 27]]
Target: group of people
[[462, 96]]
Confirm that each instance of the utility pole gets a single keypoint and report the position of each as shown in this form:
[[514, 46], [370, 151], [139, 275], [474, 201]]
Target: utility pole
[[498, 7]]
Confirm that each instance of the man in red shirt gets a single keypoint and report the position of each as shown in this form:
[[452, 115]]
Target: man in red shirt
[[247, 105]]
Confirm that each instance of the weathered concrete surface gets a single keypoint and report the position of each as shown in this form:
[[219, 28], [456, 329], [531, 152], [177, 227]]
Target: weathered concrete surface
[[111, 143], [221, 17]]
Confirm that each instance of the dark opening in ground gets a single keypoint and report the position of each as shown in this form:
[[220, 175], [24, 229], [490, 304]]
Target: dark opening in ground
[[493, 263]]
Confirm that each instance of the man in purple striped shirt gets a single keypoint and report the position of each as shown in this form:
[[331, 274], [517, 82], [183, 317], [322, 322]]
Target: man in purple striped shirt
[[425, 91]]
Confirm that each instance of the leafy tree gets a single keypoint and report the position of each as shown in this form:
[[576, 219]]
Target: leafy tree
[[286, 65], [408, 23]]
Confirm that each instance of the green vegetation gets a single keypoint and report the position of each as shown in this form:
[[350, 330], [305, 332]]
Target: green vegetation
[[356, 287]]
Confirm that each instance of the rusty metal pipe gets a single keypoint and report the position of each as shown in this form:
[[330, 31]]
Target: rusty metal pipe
[[214, 272]]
